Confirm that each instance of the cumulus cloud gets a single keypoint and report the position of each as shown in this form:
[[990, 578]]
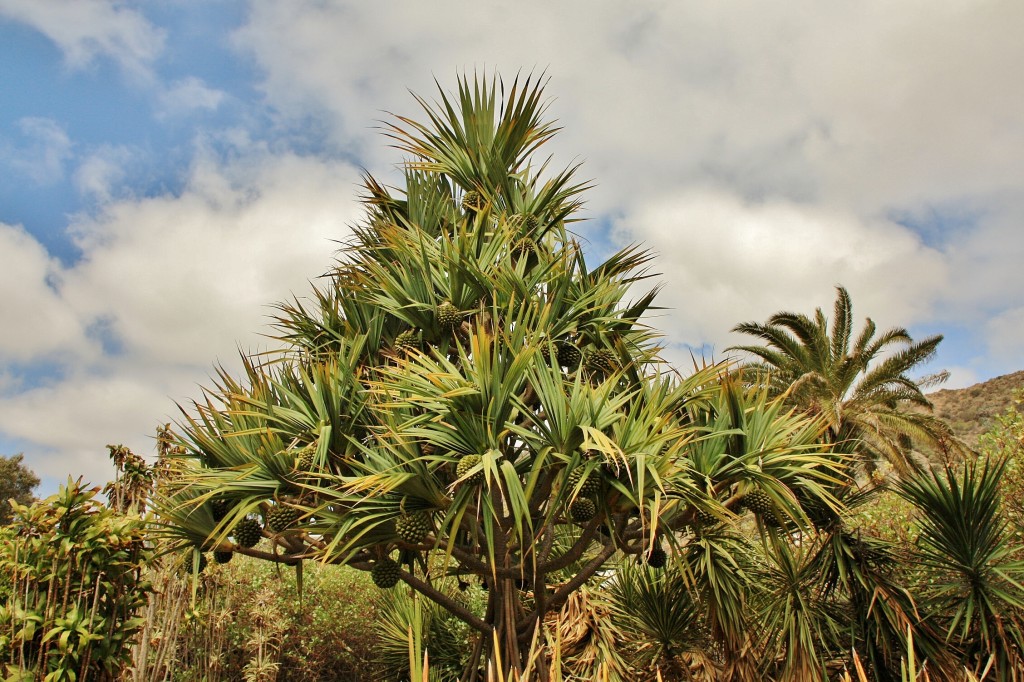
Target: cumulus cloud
[[85, 29], [38, 321], [167, 286], [869, 104], [181, 277], [726, 261]]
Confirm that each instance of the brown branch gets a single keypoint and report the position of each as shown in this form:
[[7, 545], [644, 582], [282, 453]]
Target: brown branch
[[562, 593], [576, 551], [449, 604]]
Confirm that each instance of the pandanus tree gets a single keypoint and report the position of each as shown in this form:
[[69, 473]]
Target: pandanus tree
[[465, 396]]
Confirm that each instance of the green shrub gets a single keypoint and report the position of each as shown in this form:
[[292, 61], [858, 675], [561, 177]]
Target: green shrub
[[74, 571]]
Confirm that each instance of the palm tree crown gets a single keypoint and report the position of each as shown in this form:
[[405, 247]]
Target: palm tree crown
[[860, 384]]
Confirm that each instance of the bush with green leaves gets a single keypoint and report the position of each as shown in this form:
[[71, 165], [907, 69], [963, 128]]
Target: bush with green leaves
[[77, 584]]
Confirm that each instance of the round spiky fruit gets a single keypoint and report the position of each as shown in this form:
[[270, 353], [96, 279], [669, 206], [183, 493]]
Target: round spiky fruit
[[187, 565], [525, 222], [524, 248], [407, 341], [656, 558], [758, 502], [591, 484], [568, 355], [473, 201], [305, 461], [219, 508], [414, 527], [706, 518], [448, 316], [582, 510], [280, 518], [467, 463], [223, 557], [601, 362], [248, 532], [385, 574]]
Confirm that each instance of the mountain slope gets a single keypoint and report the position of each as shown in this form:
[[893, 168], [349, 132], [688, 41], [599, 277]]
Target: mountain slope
[[971, 411]]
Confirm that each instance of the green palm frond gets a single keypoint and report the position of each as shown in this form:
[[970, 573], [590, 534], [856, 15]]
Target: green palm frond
[[864, 390]]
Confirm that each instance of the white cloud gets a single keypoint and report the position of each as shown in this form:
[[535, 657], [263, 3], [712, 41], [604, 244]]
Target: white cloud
[[727, 261], [85, 29], [46, 149], [38, 322], [182, 277], [169, 285], [187, 95], [871, 105], [102, 170]]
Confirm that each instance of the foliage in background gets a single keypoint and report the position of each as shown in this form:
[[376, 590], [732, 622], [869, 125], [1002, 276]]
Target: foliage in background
[[17, 482], [77, 581], [248, 620], [1005, 442]]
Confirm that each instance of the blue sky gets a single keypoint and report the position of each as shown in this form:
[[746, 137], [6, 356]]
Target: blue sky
[[171, 169]]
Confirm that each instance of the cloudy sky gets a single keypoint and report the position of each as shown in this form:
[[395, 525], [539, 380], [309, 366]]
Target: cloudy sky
[[170, 169]]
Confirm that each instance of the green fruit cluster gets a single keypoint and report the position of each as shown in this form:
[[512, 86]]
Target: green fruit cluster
[[582, 510], [306, 460], [601, 362], [758, 502], [407, 341], [569, 355], [467, 463], [591, 484], [280, 518], [705, 518], [448, 316], [656, 558], [473, 201], [248, 532], [413, 528], [220, 508], [524, 220], [524, 248], [187, 565], [223, 557], [385, 574]]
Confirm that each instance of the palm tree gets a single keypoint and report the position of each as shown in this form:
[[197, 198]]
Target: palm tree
[[861, 385]]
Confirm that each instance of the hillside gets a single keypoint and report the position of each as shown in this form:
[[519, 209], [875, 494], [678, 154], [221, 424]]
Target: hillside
[[971, 411]]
